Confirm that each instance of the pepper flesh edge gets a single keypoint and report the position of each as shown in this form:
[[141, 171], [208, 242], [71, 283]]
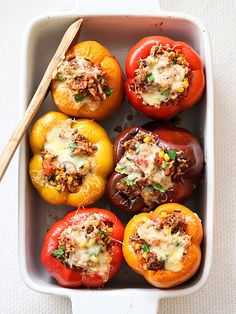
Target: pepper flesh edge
[[165, 278]]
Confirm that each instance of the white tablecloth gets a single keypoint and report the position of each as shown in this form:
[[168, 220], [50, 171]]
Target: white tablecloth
[[218, 296]]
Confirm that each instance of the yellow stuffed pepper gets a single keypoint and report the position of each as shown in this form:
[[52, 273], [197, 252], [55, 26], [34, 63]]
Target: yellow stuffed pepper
[[71, 161], [88, 83], [164, 245]]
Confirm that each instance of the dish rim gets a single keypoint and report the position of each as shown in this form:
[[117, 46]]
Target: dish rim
[[209, 138]]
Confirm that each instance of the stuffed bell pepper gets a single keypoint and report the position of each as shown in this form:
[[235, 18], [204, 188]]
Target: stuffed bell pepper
[[68, 166], [88, 83], [83, 249], [156, 164], [164, 245], [164, 77]]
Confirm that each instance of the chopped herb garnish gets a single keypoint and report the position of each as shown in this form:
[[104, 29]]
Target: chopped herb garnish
[[103, 232], [164, 165], [61, 78], [159, 187], [171, 153], [121, 169], [108, 91], [146, 247], [150, 78], [59, 252], [72, 146], [52, 177], [163, 259], [43, 147], [94, 250], [165, 92], [129, 182], [177, 243], [79, 97], [149, 188]]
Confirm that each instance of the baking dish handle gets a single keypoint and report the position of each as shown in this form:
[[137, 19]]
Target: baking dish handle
[[127, 303], [123, 7]]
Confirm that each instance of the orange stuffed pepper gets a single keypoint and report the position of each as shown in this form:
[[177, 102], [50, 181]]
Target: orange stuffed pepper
[[164, 245], [68, 166], [88, 83]]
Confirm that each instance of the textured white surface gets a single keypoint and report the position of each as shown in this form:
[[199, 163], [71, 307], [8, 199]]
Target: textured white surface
[[218, 296]]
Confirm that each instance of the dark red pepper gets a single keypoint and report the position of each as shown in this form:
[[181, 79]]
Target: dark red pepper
[[166, 136]]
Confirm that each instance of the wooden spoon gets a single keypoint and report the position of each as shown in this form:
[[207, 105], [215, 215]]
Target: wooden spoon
[[38, 97]]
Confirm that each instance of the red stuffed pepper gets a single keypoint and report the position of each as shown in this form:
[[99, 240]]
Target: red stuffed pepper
[[164, 77], [154, 165], [83, 249]]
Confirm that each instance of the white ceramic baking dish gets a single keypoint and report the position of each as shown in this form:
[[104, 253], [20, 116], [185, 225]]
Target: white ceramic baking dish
[[117, 25]]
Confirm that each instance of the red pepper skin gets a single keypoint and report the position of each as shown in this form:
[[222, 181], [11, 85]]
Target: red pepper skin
[[168, 136], [64, 275], [169, 109]]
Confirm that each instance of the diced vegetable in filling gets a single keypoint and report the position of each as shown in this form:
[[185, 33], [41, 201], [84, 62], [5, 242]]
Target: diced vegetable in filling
[[161, 242], [163, 76], [67, 157], [86, 80], [85, 246], [148, 169]]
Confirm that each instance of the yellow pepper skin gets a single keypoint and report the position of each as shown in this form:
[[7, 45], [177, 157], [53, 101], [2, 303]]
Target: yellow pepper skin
[[96, 53], [93, 183], [163, 278]]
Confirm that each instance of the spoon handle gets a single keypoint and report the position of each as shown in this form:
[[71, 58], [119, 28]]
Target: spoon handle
[[38, 97]]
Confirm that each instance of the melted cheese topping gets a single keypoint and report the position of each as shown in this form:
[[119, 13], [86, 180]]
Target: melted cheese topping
[[78, 67], [92, 104], [57, 143], [142, 163], [87, 253], [168, 247], [168, 79], [153, 97]]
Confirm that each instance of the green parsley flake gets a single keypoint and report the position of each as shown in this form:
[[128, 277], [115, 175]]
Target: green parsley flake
[[171, 153], [177, 243], [103, 232], [94, 250], [146, 247], [159, 187], [59, 252], [164, 165], [79, 97], [165, 92], [52, 177], [61, 78], [129, 182], [108, 91], [149, 188], [150, 78], [121, 169], [72, 146]]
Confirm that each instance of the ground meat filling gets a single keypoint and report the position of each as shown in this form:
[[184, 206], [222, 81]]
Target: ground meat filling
[[161, 243], [85, 246], [86, 80], [162, 77], [149, 170], [67, 157]]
